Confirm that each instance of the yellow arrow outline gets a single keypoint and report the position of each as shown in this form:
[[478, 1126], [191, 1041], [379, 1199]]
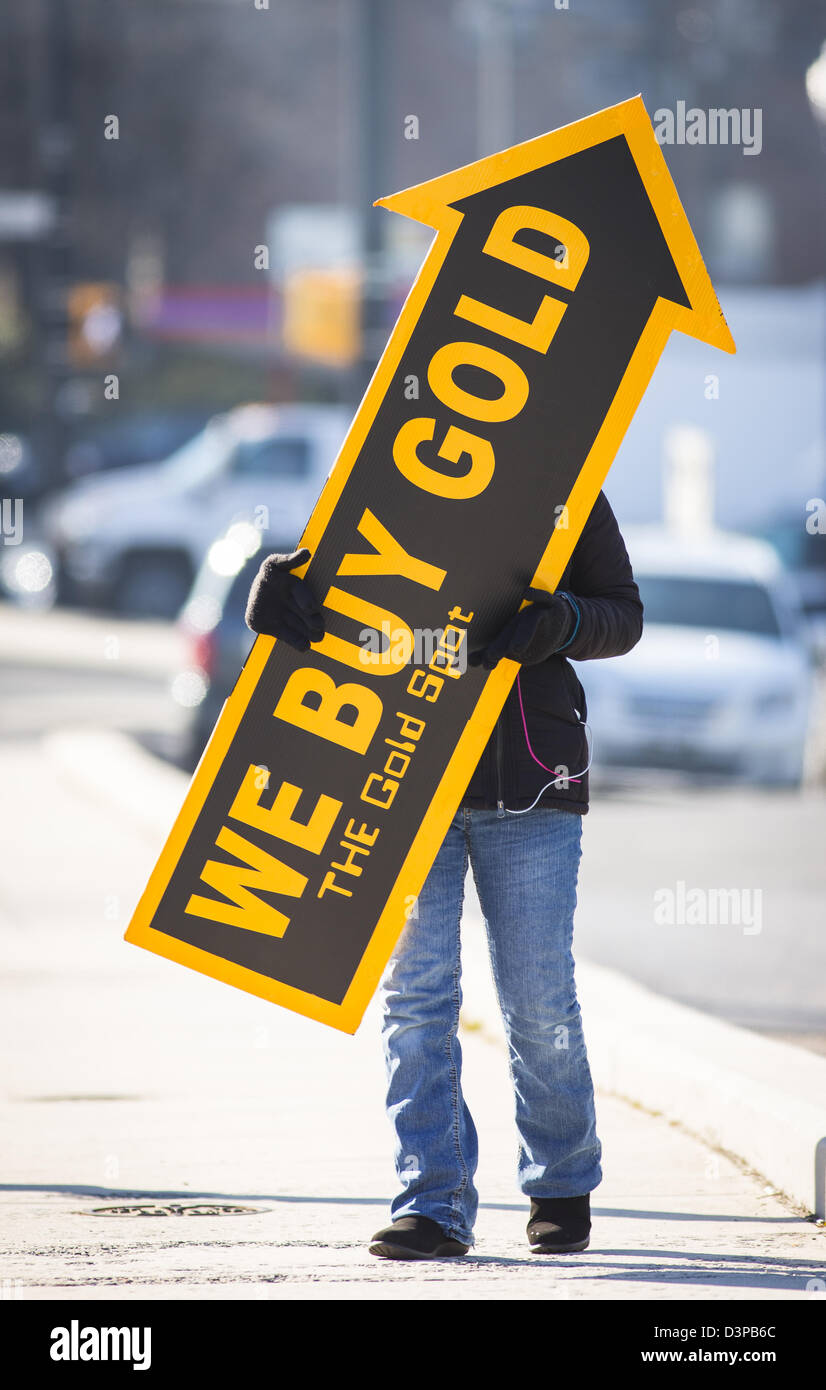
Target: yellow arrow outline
[[429, 203]]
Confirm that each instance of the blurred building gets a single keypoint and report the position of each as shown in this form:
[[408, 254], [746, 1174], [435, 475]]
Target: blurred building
[[172, 132]]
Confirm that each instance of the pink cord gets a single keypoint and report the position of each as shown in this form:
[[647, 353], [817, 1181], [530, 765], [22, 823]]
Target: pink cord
[[528, 741]]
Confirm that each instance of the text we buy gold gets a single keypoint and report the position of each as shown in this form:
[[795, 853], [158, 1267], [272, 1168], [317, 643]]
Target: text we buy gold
[[349, 712]]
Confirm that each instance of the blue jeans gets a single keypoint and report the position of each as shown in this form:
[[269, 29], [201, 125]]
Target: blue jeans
[[525, 868]]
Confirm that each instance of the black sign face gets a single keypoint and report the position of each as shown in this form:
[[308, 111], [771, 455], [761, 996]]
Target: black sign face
[[558, 271]]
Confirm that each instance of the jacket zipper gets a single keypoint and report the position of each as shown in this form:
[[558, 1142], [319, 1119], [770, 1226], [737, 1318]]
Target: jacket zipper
[[500, 796]]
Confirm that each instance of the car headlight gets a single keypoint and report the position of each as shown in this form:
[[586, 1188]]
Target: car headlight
[[28, 573], [189, 688]]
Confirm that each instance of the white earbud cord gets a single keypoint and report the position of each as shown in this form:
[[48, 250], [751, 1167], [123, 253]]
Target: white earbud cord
[[559, 778]]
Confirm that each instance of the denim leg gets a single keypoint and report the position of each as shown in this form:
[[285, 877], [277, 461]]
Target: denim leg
[[436, 1146], [526, 869]]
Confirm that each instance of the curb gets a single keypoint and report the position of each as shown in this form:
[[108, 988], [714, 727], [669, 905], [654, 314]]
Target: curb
[[760, 1100]]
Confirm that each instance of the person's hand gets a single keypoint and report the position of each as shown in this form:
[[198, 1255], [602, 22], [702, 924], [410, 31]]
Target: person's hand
[[532, 634], [282, 605]]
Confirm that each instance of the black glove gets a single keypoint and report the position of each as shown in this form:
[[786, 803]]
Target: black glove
[[532, 634], [282, 605]]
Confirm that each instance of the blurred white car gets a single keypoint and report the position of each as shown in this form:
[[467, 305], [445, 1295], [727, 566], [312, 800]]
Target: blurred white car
[[134, 539], [722, 678]]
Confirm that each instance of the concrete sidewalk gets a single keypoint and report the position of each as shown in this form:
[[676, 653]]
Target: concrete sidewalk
[[134, 1080], [759, 1099], [137, 1081]]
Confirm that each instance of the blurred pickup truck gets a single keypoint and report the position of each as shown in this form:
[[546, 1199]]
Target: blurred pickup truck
[[133, 541]]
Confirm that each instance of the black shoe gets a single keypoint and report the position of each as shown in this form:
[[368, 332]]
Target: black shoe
[[559, 1224], [415, 1238]]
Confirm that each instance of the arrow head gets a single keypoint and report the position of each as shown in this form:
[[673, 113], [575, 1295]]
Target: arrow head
[[606, 174], [600, 191]]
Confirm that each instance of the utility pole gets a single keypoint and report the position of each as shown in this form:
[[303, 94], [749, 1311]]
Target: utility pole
[[495, 94], [371, 35], [53, 255]]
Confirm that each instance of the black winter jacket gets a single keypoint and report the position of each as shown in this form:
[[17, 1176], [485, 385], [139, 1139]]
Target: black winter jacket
[[600, 580]]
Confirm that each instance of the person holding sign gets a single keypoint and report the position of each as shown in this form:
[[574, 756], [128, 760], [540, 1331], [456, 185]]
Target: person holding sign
[[519, 828]]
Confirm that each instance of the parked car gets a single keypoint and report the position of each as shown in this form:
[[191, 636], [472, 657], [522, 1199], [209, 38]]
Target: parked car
[[134, 540], [218, 639], [803, 552], [722, 678], [123, 443]]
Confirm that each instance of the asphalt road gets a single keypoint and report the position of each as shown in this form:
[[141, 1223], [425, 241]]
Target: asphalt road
[[751, 858]]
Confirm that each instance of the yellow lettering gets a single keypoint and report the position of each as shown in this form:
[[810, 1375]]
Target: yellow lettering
[[456, 444], [564, 270], [330, 882], [325, 719], [412, 727], [310, 834], [403, 764], [384, 663], [537, 334], [421, 682], [390, 788], [390, 557], [363, 835], [259, 870], [515, 387], [351, 864]]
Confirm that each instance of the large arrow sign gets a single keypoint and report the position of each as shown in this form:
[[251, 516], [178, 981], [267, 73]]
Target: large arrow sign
[[557, 272]]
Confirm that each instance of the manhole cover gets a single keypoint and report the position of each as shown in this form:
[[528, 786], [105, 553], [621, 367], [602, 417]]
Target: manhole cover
[[175, 1209]]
